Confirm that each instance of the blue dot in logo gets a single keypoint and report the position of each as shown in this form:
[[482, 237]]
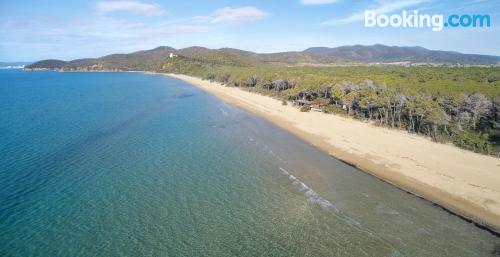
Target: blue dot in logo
[[446, 24]]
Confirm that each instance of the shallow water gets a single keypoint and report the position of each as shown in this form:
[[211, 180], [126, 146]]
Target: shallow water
[[128, 164]]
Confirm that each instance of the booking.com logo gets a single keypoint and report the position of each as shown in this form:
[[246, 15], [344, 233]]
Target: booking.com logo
[[415, 20]]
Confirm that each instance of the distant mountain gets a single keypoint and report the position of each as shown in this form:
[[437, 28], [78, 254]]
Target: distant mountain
[[152, 60], [386, 54]]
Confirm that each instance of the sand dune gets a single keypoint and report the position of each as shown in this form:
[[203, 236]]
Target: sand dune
[[462, 181]]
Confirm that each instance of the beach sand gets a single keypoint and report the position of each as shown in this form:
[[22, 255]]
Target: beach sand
[[463, 182]]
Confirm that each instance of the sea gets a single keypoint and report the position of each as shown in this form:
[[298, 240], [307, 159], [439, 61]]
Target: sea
[[134, 164]]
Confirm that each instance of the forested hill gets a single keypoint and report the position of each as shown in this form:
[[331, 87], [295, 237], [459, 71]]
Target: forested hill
[[388, 54], [152, 60], [141, 60]]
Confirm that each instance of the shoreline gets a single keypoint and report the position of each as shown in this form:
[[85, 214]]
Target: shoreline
[[462, 182]]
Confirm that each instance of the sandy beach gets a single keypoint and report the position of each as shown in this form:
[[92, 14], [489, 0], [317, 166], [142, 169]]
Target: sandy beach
[[461, 181]]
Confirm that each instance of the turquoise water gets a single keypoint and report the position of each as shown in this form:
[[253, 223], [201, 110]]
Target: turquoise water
[[128, 164]]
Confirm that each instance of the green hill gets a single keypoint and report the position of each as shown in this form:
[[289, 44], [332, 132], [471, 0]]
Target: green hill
[[152, 60]]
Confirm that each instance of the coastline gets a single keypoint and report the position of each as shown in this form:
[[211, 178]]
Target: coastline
[[461, 181]]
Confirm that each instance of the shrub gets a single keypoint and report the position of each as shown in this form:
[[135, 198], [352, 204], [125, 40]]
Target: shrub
[[331, 108], [305, 108]]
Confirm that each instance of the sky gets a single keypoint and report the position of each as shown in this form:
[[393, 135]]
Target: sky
[[42, 29]]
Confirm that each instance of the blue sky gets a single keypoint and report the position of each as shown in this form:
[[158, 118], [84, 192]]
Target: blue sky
[[34, 30]]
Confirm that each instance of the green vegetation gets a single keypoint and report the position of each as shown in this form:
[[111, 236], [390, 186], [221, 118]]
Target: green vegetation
[[305, 108], [448, 104]]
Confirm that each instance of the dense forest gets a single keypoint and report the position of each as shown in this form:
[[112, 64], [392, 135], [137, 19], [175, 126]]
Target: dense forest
[[448, 104]]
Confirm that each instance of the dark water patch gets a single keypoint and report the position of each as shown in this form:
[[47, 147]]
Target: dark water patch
[[184, 95]]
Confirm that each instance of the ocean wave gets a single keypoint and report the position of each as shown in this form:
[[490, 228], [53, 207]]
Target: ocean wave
[[310, 194], [224, 112]]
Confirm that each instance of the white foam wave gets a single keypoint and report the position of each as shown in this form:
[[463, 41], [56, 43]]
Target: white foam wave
[[224, 112], [310, 194]]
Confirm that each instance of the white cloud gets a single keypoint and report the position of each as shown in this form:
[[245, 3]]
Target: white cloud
[[317, 2], [128, 6], [381, 7], [233, 15], [101, 30], [113, 30]]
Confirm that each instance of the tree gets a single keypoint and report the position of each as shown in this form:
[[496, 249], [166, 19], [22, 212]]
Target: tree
[[226, 78], [253, 81], [368, 101], [337, 94], [398, 101], [478, 105], [349, 100], [435, 118]]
